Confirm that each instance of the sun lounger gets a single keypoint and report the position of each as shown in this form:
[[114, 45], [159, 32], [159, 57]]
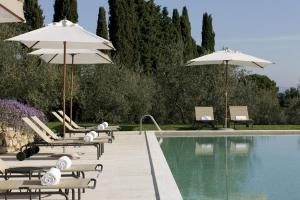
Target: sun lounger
[[54, 136], [33, 148], [239, 115], [72, 130], [205, 115], [31, 188], [76, 126], [75, 171]]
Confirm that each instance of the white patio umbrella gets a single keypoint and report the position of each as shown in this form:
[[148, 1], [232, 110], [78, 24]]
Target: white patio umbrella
[[73, 57], [63, 35], [11, 11], [228, 57]]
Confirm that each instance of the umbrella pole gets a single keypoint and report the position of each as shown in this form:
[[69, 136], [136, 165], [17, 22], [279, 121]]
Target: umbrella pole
[[72, 80], [226, 93], [64, 90]]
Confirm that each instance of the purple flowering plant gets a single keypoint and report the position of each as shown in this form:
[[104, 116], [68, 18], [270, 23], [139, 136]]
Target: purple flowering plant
[[12, 111]]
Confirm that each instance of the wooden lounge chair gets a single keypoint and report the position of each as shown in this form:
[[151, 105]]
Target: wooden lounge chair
[[239, 115], [205, 115], [30, 188], [33, 148], [72, 130], [54, 136], [75, 171], [76, 126]]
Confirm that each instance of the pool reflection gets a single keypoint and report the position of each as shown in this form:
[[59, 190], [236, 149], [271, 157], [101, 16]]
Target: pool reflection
[[207, 168]]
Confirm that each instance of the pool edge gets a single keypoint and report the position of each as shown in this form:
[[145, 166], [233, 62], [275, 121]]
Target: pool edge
[[164, 182]]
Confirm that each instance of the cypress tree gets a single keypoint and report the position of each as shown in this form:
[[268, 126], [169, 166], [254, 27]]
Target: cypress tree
[[149, 35], [190, 48], [33, 14], [101, 24], [166, 27], [208, 35], [176, 25], [123, 29], [73, 15], [65, 9]]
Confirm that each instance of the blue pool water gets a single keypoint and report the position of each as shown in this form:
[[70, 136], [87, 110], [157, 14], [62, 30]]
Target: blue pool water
[[236, 168]]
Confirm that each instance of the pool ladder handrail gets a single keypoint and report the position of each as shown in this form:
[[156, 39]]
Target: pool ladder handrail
[[153, 120]]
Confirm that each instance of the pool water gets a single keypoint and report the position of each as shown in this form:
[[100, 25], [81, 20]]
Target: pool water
[[235, 168]]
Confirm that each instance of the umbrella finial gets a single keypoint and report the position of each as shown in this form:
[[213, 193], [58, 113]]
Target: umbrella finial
[[64, 23]]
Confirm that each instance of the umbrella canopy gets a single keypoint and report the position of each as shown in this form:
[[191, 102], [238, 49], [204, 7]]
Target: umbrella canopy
[[232, 57], [11, 11], [74, 56], [228, 57], [63, 35], [55, 34]]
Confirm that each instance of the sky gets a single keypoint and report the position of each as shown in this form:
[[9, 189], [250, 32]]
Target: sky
[[266, 29]]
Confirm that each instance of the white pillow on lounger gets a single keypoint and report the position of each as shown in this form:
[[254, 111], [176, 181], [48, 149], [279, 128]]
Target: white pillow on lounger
[[206, 118], [241, 118]]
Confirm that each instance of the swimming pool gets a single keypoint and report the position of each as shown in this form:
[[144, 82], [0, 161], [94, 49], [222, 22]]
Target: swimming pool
[[235, 168]]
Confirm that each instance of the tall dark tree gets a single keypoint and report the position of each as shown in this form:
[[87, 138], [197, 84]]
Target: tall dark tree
[[33, 14], [148, 14], [101, 24], [65, 9], [176, 24], [208, 35], [123, 29], [166, 24], [73, 15], [190, 48]]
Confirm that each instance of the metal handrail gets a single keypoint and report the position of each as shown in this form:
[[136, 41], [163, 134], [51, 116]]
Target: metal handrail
[[153, 120]]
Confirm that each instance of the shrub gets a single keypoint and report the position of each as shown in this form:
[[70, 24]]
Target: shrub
[[12, 111]]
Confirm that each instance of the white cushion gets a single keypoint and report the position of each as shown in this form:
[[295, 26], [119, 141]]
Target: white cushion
[[241, 118], [206, 118]]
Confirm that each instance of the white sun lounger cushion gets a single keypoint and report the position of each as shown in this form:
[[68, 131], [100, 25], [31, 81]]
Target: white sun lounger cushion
[[241, 118], [206, 118]]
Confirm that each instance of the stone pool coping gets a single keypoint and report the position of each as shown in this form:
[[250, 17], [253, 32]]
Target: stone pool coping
[[227, 133], [164, 182]]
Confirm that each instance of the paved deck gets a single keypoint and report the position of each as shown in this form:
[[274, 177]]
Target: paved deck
[[127, 170]]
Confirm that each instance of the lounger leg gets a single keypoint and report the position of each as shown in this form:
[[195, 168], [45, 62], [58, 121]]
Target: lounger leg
[[30, 196], [73, 194], [98, 151], [79, 194], [83, 177], [40, 197]]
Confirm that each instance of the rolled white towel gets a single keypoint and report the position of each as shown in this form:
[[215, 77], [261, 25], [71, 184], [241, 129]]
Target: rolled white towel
[[63, 162], [95, 134], [100, 127], [105, 124], [88, 137], [52, 177]]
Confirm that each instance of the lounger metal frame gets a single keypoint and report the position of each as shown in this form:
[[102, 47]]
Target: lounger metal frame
[[39, 143], [34, 191], [109, 132], [31, 173]]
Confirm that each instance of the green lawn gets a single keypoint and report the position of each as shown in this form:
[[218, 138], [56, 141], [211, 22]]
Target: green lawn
[[135, 127]]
